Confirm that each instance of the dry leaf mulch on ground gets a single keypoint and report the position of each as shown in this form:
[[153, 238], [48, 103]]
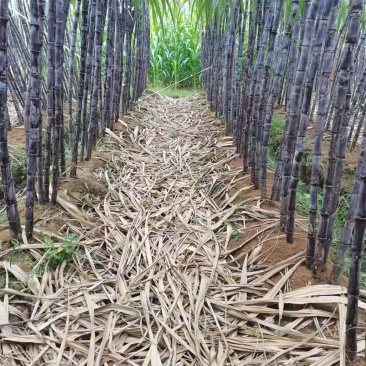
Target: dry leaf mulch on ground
[[153, 281]]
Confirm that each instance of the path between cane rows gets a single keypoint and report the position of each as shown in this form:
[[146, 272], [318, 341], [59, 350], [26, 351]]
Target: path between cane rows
[[156, 279]]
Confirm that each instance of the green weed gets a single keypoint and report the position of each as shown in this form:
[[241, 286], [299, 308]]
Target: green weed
[[18, 286], [303, 197], [19, 169], [346, 268], [55, 256], [236, 235], [225, 224], [218, 187], [275, 137], [342, 212], [173, 134], [15, 245]]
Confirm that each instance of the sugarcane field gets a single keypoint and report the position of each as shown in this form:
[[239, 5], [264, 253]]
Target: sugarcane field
[[183, 182]]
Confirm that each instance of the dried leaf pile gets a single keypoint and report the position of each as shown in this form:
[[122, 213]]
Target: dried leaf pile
[[154, 281]]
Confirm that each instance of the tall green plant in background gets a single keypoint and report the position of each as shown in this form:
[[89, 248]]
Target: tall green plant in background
[[175, 50]]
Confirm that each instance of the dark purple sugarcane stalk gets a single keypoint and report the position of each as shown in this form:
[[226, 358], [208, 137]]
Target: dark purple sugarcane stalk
[[126, 95], [249, 132], [227, 67], [27, 117], [259, 23], [353, 290], [10, 198], [81, 86], [244, 120], [219, 76], [293, 61], [349, 225], [117, 65], [293, 26], [96, 72], [138, 38], [215, 67], [239, 88], [109, 64], [35, 116], [264, 91], [232, 71], [326, 69], [99, 117], [64, 80], [147, 46], [256, 88], [335, 73], [214, 46], [87, 81], [141, 80], [294, 55], [294, 109], [50, 96], [40, 171], [59, 19], [72, 70]]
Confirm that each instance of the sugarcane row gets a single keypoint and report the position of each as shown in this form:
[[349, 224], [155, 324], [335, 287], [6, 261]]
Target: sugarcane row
[[72, 71], [311, 58]]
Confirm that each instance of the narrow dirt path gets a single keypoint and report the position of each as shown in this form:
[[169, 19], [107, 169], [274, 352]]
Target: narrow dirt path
[[154, 281]]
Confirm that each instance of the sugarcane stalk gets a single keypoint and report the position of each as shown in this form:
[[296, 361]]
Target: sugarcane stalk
[[10, 198], [72, 70], [81, 86]]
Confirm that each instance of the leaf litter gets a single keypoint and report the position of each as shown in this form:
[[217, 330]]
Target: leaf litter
[[153, 281]]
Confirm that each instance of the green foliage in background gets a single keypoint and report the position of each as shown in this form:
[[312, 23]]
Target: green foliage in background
[[175, 50], [277, 128]]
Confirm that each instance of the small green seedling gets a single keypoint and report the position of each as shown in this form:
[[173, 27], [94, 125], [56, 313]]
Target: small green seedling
[[56, 255], [15, 245], [236, 235], [173, 134]]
